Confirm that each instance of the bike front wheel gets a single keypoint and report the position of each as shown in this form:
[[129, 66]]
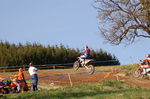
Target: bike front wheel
[[137, 73], [90, 69]]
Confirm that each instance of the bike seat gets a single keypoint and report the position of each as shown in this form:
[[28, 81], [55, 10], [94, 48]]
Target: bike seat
[[89, 59]]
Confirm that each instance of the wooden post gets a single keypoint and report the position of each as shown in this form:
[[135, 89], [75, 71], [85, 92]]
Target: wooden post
[[70, 80], [117, 77]]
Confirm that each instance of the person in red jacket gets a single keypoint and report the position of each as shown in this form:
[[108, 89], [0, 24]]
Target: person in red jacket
[[18, 81], [21, 80], [86, 54]]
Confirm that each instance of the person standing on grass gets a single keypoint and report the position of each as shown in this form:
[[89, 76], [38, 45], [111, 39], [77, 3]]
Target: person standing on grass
[[21, 79], [33, 73]]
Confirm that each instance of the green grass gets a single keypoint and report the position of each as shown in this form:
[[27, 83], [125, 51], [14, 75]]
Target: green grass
[[95, 90]]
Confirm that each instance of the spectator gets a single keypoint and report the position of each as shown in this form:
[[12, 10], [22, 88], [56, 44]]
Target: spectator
[[33, 73], [21, 79], [15, 84]]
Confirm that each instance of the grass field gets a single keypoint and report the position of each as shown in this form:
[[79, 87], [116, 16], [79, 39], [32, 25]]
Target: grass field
[[96, 90]]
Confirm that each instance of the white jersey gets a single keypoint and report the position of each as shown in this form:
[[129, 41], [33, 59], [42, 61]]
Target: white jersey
[[148, 58], [32, 70]]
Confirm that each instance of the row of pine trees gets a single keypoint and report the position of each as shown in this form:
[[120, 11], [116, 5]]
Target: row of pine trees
[[22, 54]]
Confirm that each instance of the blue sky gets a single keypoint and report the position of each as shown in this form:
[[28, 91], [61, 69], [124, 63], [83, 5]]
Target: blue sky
[[70, 22]]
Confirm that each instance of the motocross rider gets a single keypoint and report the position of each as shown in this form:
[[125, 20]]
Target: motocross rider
[[146, 66], [86, 54], [86, 51]]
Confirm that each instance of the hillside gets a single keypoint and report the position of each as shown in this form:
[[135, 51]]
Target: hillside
[[104, 82]]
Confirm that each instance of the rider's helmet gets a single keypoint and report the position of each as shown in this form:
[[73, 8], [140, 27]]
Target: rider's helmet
[[85, 46], [30, 64], [148, 56]]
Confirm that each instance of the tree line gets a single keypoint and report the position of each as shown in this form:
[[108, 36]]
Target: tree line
[[22, 54]]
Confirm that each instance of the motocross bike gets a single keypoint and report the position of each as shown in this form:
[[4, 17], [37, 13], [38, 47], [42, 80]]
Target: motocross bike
[[86, 63], [138, 71]]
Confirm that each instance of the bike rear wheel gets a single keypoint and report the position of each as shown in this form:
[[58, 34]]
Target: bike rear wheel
[[76, 65], [90, 69]]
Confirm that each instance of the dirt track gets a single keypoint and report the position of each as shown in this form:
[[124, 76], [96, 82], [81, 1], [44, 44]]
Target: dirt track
[[61, 77]]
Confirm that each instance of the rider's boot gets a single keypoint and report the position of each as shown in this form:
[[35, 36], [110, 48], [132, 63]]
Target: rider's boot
[[144, 71]]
